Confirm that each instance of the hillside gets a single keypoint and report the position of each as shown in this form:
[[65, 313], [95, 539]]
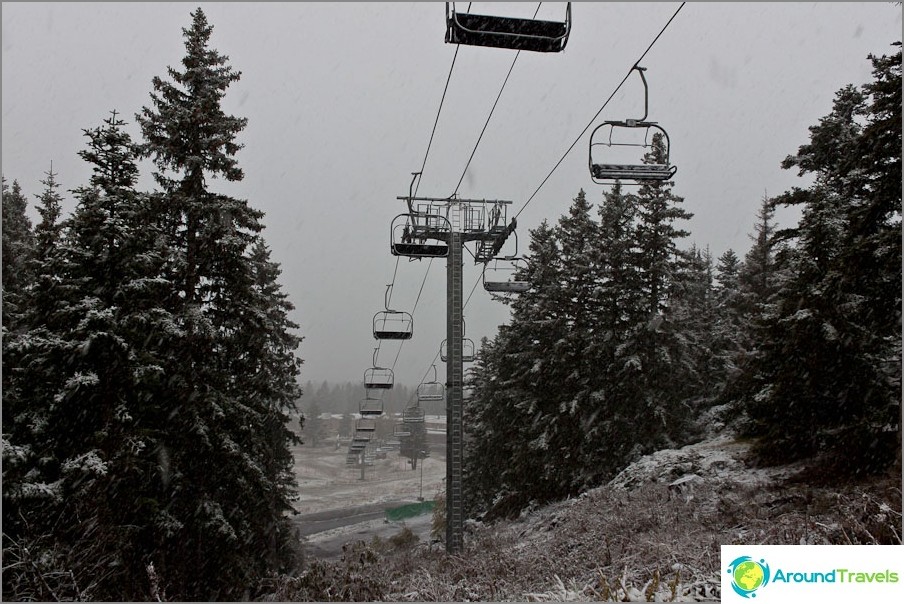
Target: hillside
[[652, 534]]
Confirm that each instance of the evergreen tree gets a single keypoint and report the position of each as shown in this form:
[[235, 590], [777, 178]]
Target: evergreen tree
[[233, 369], [345, 424], [654, 368], [314, 430], [657, 235], [18, 243], [513, 386], [414, 447], [757, 275], [33, 492], [827, 375]]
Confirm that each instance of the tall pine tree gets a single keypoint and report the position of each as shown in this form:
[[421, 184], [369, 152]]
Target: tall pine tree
[[233, 371], [828, 371]]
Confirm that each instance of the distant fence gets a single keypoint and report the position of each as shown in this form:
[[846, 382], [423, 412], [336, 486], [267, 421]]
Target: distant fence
[[409, 510]]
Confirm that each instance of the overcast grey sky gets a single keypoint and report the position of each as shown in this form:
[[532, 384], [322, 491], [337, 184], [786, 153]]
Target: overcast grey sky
[[341, 99]]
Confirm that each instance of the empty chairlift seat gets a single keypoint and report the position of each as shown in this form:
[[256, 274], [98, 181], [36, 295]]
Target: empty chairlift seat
[[420, 235], [467, 351], [500, 276], [411, 415], [393, 325], [431, 391], [507, 32], [630, 151], [360, 440], [371, 407], [378, 378], [366, 424]]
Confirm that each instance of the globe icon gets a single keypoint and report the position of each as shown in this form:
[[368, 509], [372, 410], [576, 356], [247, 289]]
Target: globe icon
[[748, 575]]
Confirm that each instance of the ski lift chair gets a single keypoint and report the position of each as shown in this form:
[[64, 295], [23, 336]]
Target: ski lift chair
[[615, 151], [393, 325], [370, 407], [418, 235], [467, 351], [366, 424], [413, 415], [499, 276], [507, 32], [378, 378], [631, 150]]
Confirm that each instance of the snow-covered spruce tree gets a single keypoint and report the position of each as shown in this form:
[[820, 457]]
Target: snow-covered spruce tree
[[32, 356], [414, 447], [828, 370], [96, 440], [653, 369], [103, 428], [219, 457], [695, 313], [508, 461], [18, 243], [729, 331], [573, 358], [757, 283], [608, 422]]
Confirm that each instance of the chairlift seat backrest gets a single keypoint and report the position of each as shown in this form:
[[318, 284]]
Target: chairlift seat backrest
[[370, 407], [413, 415], [507, 287], [393, 325], [507, 32], [378, 378], [431, 391], [467, 351]]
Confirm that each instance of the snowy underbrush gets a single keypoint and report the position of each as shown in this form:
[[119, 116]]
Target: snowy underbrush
[[653, 534]]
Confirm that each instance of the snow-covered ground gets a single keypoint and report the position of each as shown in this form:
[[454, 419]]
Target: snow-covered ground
[[326, 483], [652, 534], [718, 460]]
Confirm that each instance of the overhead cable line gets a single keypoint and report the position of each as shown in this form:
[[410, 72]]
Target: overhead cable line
[[436, 121], [593, 119], [423, 165], [493, 109]]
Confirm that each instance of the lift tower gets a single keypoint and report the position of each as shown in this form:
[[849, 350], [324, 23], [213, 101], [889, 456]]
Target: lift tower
[[436, 227]]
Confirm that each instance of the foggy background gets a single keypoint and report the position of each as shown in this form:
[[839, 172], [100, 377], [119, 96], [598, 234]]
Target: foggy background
[[341, 99]]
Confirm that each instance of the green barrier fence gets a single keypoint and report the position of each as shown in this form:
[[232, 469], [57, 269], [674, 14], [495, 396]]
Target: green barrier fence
[[409, 510]]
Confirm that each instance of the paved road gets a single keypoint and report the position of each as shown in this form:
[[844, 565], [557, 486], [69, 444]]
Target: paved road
[[312, 525]]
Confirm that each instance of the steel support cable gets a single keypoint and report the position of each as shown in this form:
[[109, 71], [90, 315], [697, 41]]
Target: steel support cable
[[464, 172], [436, 121], [593, 119], [492, 110], [388, 303], [423, 165], [414, 308]]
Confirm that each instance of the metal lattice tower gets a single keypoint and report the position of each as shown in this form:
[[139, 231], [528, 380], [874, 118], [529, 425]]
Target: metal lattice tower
[[454, 384], [469, 220]]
